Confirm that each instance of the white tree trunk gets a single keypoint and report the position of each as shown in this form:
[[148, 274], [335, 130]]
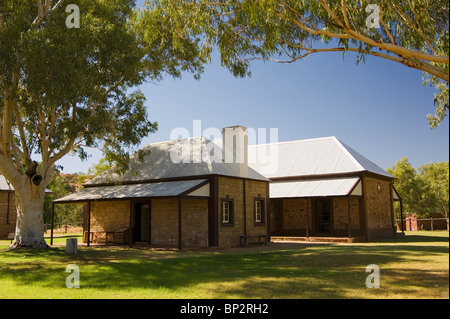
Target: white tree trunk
[[30, 218]]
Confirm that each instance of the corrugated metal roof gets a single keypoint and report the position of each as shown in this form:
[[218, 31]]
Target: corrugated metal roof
[[159, 163], [314, 188], [319, 156], [162, 189]]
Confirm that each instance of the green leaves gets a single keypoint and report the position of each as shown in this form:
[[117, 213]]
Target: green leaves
[[73, 88], [413, 33], [425, 190]]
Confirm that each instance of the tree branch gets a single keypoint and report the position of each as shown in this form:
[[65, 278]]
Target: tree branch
[[319, 31], [63, 152], [412, 25], [411, 58], [344, 12], [23, 141], [43, 11], [333, 14], [410, 62], [398, 50], [6, 135], [385, 28], [17, 156]]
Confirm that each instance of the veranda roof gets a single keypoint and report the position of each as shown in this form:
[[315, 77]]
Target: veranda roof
[[317, 188], [148, 190]]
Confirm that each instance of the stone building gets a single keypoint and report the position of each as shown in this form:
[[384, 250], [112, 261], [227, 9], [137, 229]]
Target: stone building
[[322, 187], [8, 212], [193, 193], [182, 194]]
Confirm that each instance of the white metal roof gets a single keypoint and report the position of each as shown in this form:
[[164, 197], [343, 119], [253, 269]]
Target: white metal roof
[[310, 157], [198, 160], [316, 188], [4, 184], [148, 190]]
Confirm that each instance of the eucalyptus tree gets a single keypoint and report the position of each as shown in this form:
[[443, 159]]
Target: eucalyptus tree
[[68, 78], [423, 191], [436, 179], [414, 33], [409, 185]]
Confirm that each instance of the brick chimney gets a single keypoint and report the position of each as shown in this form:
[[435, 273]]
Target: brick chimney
[[235, 147]]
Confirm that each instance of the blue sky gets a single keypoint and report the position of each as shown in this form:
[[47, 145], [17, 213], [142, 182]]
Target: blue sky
[[378, 108]]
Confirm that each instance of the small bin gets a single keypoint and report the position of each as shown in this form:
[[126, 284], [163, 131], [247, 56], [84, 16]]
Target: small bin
[[71, 246]]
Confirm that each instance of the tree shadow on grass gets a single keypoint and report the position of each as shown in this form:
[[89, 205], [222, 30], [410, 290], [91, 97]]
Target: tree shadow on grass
[[278, 271], [419, 237]]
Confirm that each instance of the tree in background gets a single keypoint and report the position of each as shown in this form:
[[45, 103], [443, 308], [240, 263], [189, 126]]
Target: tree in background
[[409, 186], [64, 214], [436, 178], [67, 79], [102, 166], [412, 33], [424, 191]]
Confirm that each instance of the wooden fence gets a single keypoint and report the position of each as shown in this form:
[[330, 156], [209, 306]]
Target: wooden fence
[[412, 223]]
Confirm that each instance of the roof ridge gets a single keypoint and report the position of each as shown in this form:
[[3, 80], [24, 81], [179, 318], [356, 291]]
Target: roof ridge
[[343, 147], [204, 155], [368, 169], [295, 141]]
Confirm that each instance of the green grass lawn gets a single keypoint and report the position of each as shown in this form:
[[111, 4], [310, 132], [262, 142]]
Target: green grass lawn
[[413, 266]]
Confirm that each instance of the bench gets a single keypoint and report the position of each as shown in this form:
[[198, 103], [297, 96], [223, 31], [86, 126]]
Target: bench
[[246, 238], [108, 236], [96, 236], [11, 236], [100, 236], [121, 235]]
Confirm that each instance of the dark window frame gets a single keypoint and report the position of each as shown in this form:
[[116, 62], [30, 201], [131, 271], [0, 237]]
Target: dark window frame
[[262, 200], [230, 202]]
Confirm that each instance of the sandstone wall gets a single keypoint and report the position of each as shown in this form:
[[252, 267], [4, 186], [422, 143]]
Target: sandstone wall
[[377, 197], [7, 223], [233, 189], [294, 213], [194, 222], [340, 211], [113, 215]]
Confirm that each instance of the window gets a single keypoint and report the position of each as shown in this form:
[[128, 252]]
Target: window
[[259, 211], [227, 218], [225, 212]]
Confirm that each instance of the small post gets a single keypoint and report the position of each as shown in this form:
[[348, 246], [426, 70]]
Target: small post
[[150, 223], [71, 246], [53, 220], [401, 217], [89, 225], [349, 218], [180, 239], [307, 221], [131, 224], [432, 226]]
